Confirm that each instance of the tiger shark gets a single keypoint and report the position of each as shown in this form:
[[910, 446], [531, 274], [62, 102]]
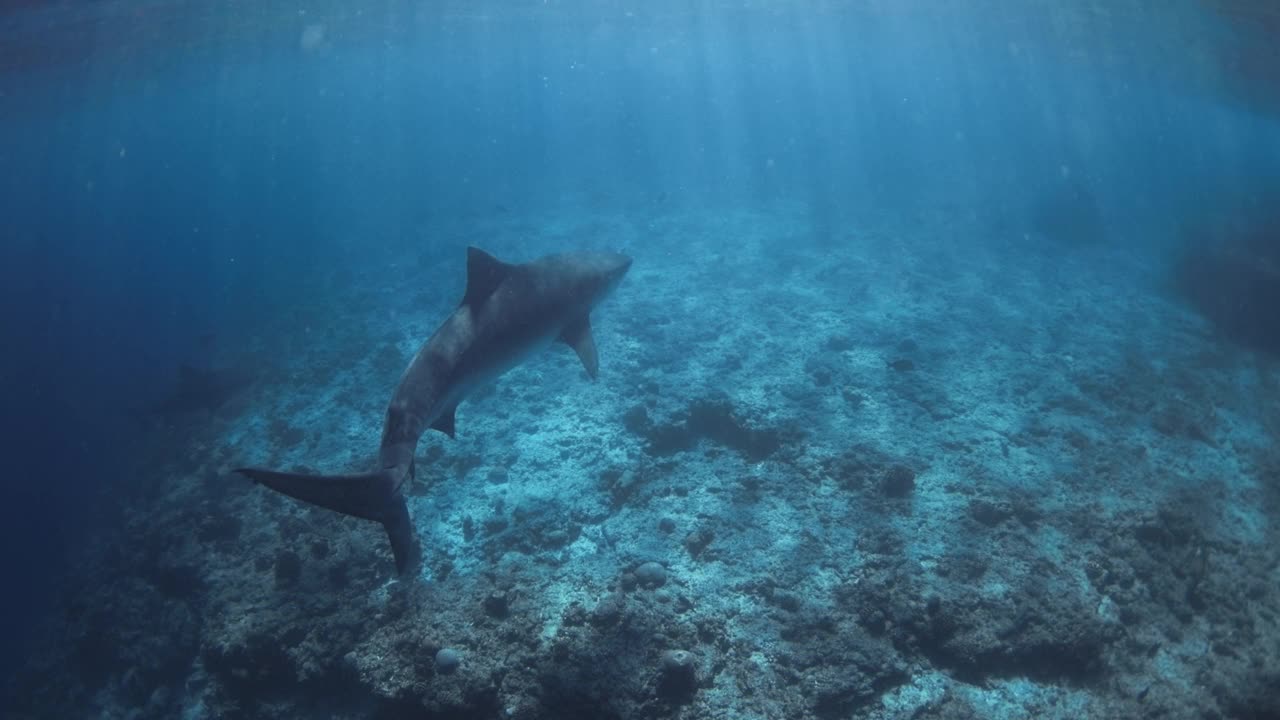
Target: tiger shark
[[508, 313]]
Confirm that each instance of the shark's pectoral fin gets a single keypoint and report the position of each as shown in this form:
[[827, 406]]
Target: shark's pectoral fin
[[577, 335], [372, 496], [484, 274], [445, 423]]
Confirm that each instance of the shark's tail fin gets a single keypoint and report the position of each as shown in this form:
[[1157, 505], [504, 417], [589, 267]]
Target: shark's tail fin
[[372, 496]]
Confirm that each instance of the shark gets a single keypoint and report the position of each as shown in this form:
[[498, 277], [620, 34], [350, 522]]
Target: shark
[[508, 313]]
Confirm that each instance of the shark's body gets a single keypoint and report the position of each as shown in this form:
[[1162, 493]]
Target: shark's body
[[508, 312]]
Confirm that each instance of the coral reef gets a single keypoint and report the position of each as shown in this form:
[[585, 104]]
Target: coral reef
[[889, 483]]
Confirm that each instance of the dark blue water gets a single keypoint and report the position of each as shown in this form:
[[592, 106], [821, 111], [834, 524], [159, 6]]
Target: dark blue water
[[179, 180]]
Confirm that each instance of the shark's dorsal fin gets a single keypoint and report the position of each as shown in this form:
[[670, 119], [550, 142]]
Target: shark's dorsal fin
[[577, 335], [444, 423], [484, 274]]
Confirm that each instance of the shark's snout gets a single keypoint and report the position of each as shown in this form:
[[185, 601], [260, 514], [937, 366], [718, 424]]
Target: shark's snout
[[598, 273], [621, 264], [608, 264], [612, 267]]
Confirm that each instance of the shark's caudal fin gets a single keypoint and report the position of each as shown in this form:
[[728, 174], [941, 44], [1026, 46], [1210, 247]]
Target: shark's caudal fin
[[371, 496]]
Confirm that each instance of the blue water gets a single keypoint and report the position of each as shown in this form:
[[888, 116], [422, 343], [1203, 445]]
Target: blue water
[[200, 183]]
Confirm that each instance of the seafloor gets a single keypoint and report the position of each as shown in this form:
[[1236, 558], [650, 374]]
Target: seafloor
[[895, 474]]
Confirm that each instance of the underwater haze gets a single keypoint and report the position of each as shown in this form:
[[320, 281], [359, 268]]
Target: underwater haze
[[944, 381]]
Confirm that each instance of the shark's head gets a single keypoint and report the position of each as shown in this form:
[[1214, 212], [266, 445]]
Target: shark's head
[[594, 275]]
